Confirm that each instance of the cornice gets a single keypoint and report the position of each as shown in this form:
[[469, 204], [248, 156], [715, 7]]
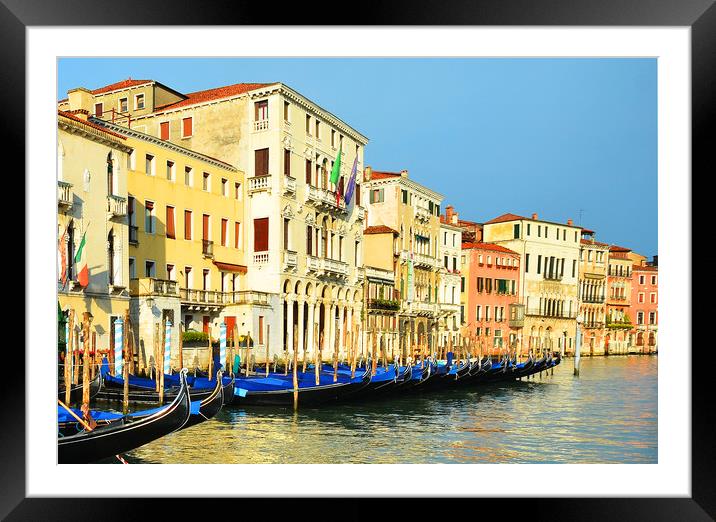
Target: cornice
[[96, 135]]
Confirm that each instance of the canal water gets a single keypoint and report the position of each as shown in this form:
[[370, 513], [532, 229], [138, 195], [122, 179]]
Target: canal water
[[606, 415]]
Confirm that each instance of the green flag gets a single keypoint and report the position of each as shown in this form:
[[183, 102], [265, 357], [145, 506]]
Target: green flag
[[336, 171]]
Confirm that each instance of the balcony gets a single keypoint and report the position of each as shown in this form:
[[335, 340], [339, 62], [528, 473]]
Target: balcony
[[259, 184], [289, 185], [553, 277], [261, 125], [422, 308], [360, 274], [207, 248], [250, 297], [593, 299], [593, 324], [116, 206], [617, 298], [380, 275], [261, 258], [290, 260], [325, 200], [133, 235], [218, 298], [424, 260], [150, 286], [449, 308], [332, 267], [64, 194], [536, 312], [386, 305], [313, 264]]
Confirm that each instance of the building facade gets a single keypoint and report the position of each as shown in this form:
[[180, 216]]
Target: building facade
[[401, 204], [644, 306], [549, 276], [92, 224], [449, 277], [618, 338], [593, 259], [303, 243]]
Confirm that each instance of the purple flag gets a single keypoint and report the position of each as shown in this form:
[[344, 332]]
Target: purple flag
[[351, 182]]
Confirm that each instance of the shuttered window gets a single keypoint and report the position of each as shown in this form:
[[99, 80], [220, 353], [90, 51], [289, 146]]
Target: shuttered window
[[187, 224], [224, 231], [309, 240], [187, 127], [261, 159], [308, 172], [237, 234], [261, 234], [171, 233], [357, 189], [164, 130], [205, 227], [287, 162], [341, 185]]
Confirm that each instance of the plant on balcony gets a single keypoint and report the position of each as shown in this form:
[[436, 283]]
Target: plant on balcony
[[385, 304]]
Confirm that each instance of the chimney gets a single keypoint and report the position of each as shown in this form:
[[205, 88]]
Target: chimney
[[80, 99], [534, 216], [570, 222], [448, 214], [403, 173], [367, 173], [454, 219]]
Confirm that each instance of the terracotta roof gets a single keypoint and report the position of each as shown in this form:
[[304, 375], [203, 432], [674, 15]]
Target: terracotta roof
[[380, 229], [376, 174], [615, 248], [217, 93], [645, 268], [505, 217], [124, 84], [487, 246], [72, 117]]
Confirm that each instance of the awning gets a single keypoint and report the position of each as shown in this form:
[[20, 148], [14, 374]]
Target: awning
[[230, 267]]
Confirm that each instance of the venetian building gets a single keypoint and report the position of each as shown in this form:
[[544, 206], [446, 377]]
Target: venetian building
[[93, 275], [449, 276], [619, 322], [401, 204], [303, 243], [593, 258], [549, 276], [644, 304]]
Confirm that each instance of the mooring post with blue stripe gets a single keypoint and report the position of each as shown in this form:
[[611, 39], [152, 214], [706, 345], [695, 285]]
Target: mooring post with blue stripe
[[222, 345], [118, 344], [168, 348]]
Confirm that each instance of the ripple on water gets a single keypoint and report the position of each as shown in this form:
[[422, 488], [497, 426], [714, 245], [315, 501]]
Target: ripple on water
[[608, 414]]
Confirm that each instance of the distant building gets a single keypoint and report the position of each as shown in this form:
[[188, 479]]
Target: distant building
[[619, 321], [549, 276], [593, 260], [644, 305]]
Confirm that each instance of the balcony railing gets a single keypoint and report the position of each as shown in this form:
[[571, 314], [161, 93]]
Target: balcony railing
[[64, 194], [259, 183], [207, 248], [152, 286], [313, 263], [289, 185], [380, 275], [424, 260], [261, 258], [333, 267], [384, 304], [553, 277], [290, 259], [593, 324], [116, 206], [450, 308], [218, 298], [617, 298], [261, 125], [360, 273], [325, 199], [593, 299], [422, 308], [134, 234]]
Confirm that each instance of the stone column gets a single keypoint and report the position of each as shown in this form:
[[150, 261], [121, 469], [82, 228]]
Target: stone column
[[289, 322]]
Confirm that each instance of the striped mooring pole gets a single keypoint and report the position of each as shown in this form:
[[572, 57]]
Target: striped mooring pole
[[168, 348], [118, 344], [222, 345]]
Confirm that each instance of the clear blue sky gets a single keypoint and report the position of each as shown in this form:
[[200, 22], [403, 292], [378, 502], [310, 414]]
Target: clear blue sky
[[551, 136]]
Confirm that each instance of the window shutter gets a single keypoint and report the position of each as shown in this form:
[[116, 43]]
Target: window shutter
[[308, 172], [164, 130], [224, 227], [187, 224], [341, 185], [237, 229], [170, 223], [187, 126], [357, 189], [309, 240], [261, 234], [205, 227], [261, 162], [287, 162]]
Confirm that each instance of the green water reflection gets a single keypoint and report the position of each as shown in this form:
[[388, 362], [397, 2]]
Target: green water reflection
[[608, 414]]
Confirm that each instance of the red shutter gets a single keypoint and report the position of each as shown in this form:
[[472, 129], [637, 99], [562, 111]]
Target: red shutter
[[261, 234], [224, 225], [170, 223], [309, 240], [308, 172], [187, 127], [230, 321], [164, 130], [187, 224], [287, 162], [357, 189], [205, 227], [261, 162], [236, 234]]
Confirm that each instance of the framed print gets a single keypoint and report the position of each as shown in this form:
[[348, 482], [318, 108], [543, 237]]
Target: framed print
[[430, 237]]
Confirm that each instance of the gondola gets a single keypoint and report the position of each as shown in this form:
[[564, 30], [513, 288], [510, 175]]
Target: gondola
[[76, 389], [210, 406], [106, 441], [277, 390]]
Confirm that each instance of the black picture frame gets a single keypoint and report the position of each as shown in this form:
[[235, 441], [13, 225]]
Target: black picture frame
[[699, 15]]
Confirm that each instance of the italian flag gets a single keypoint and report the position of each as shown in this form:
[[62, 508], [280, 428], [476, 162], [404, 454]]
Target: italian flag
[[81, 262], [336, 171]]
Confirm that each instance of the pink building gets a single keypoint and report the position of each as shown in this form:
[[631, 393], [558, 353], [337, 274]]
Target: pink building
[[644, 306], [490, 296]]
